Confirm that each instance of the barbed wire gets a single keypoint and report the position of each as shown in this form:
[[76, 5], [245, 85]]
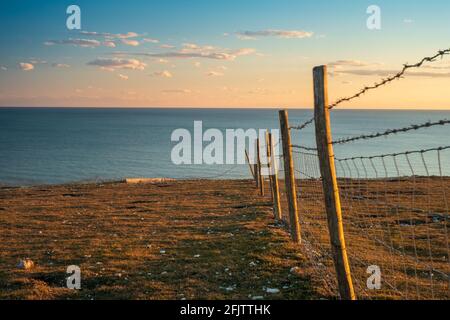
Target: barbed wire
[[392, 131], [304, 125], [303, 148], [399, 75], [395, 154]]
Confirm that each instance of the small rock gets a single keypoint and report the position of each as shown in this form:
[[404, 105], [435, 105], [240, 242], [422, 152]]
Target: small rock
[[230, 288], [295, 269], [272, 290], [197, 256], [25, 264], [258, 298], [162, 251]]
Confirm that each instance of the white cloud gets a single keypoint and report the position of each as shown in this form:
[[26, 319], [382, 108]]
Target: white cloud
[[163, 74], [37, 61], [85, 43], [408, 21], [124, 36], [128, 42], [108, 39], [60, 65], [109, 44], [3, 68], [89, 43], [361, 68], [190, 46], [214, 74], [25, 66], [123, 77], [110, 35], [118, 63], [195, 51], [286, 34], [215, 55], [150, 40], [177, 91], [166, 46]]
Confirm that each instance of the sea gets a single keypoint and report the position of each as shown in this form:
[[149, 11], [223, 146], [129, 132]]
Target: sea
[[68, 145]]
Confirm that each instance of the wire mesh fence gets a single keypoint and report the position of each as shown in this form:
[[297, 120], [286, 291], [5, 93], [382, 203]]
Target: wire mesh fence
[[396, 217], [372, 226], [390, 211]]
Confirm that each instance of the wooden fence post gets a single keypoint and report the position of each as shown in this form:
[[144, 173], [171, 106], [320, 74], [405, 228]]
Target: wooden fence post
[[330, 186], [260, 176], [274, 180], [256, 164], [249, 164], [269, 164], [291, 190]]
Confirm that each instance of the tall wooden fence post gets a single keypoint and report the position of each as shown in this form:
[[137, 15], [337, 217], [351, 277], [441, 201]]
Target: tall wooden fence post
[[291, 190], [274, 180], [330, 186], [269, 164], [260, 176]]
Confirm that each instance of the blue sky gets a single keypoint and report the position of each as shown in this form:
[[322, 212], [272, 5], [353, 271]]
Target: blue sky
[[410, 30]]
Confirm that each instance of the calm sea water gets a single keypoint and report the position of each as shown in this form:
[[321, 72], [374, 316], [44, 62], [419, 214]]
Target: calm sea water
[[51, 146]]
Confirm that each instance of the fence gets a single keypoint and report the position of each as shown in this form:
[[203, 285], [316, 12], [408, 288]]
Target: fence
[[385, 214]]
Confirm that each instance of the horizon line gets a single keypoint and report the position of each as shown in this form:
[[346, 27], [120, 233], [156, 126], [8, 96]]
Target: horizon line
[[220, 108]]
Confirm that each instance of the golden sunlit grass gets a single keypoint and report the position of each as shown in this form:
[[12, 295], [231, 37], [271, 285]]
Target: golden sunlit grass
[[218, 240], [190, 239], [400, 225]]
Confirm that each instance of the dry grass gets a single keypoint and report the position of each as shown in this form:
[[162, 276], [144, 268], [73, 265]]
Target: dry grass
[[218, 236], [220, 241], [400, 225]]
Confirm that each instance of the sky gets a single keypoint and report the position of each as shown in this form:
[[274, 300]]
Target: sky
[[234, 53]]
